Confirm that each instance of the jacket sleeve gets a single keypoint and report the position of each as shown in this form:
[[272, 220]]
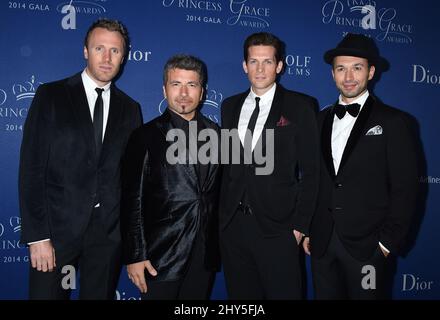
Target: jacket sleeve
[[34, 155], [307, 141], [134, 170]]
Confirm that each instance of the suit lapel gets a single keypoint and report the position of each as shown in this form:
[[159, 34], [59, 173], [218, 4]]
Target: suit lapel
[[237, 110], [80, 106], [326, 142], [275, 109], [274, 115], [235, 120], [113, 121], [356, 132]]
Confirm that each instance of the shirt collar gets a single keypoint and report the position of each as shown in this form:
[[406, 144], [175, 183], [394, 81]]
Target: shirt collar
[[267, 96], [361, 100], [178, 121], [90, 85]]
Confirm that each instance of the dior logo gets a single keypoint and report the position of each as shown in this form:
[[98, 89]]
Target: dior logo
[[414, 283], [422, 74], [121, 295]]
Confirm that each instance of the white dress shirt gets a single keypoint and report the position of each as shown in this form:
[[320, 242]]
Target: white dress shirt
[[92, 95], [246, 112], [342, 129], [341, 132]]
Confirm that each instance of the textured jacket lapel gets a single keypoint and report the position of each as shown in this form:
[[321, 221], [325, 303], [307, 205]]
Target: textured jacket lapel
[[80, 106], [113, 121], [326, 142]]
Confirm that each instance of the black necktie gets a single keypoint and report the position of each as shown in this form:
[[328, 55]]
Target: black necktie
[[352, 109], [98, 120], [252, 122]]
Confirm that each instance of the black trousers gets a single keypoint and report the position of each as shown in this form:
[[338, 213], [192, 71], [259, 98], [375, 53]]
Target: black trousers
[[337, 275], [195, 285], [257, 267], [98, 260]]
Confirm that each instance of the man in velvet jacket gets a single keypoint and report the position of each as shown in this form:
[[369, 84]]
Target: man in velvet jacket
[[169, 216], [264, 216], [369, 181], [73, 142]]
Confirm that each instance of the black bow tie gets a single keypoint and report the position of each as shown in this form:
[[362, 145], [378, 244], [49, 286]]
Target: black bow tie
[[352, 109]]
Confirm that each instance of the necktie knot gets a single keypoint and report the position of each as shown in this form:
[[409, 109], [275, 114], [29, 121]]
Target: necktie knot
[[99, 91], [353, 109], [257, 102]]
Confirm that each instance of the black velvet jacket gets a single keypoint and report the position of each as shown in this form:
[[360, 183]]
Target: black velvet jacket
[[165, 205]]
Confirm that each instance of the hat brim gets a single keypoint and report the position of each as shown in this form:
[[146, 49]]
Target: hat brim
[[331, 54]]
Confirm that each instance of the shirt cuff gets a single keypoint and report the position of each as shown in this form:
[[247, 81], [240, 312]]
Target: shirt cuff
[[38, 241], [383, 248]]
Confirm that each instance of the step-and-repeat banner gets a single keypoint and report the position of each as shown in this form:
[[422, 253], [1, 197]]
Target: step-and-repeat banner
[[42, 41]]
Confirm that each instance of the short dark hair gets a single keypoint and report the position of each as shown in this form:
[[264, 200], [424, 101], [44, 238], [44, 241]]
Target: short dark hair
[[185, 62], [110, 25], [264, 39]]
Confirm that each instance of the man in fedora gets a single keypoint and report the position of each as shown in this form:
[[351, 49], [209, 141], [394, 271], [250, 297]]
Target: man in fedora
[[368, 183]]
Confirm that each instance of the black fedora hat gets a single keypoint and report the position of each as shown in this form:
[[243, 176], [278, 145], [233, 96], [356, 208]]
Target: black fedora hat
[[355, 45]]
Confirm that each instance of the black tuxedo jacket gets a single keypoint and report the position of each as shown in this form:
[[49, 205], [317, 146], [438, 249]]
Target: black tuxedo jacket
[[373, 196], [285, 199], [61, 179], [166, 205]]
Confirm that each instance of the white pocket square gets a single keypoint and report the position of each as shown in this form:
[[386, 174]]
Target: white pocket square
[[375, 131]]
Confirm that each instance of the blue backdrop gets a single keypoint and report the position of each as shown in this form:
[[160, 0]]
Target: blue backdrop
[[42, 41]]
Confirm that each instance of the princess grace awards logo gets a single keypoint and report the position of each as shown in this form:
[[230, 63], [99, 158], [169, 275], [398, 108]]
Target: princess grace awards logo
[[248, 16], [382, 23], [13, 113], [83, 7], [25, 90], [235, 13], [11, 249], [32, 6], [3, 97], [210, 108]]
